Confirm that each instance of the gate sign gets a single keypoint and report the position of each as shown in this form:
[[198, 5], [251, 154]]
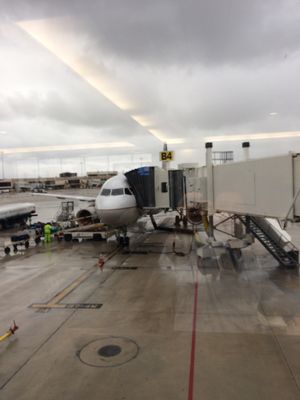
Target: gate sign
[[166, 155]]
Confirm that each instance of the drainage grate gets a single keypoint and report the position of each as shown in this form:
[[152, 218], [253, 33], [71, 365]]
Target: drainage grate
[[124, 268]]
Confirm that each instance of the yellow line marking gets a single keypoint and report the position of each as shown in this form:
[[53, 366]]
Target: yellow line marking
[[54, 301], [5, 336], [61, 295]]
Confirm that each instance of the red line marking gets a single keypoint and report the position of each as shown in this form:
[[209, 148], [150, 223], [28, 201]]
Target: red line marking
[[193, 345]]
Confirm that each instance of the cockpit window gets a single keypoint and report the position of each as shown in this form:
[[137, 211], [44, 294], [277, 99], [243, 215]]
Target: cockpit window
[[105, 192], [127, 191], [117, 192]]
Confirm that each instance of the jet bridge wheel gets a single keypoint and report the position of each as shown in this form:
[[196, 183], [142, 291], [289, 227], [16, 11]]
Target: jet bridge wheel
[[194, 215]]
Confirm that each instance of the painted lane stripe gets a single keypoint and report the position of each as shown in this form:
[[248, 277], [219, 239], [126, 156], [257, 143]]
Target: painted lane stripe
[[193, 344], [54, 302]]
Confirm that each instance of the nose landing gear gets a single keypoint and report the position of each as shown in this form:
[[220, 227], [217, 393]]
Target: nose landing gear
[[122, 238]]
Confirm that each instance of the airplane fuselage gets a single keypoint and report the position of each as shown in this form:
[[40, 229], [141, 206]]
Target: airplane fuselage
[[115, 204]]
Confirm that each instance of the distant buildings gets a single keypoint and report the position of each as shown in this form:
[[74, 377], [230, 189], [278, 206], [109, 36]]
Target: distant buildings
[[66, 180]]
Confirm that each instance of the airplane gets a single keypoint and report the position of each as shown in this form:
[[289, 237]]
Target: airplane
[[17, 213], [115, 205], [124, 198]]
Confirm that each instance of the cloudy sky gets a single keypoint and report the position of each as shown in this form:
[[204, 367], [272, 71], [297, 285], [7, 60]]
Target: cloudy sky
[[101, 84]]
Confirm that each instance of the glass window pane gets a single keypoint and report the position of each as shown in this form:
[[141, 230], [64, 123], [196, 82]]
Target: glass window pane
[[105, 192], [117, 192]]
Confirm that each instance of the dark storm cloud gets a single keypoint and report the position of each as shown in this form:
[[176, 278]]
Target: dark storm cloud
[[160, 31], [59, 106], [193, 68], [231, 31]]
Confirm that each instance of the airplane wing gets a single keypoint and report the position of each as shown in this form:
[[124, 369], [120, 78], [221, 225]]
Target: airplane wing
[[16, 213], [67, 197]]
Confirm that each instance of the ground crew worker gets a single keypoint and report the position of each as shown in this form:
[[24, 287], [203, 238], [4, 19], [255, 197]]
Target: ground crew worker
[[47, 232]]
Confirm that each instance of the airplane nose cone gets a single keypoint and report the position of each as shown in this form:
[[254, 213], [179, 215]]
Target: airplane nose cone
[[117, 210]]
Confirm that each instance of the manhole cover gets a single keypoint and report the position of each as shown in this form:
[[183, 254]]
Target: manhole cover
[[108, 352]]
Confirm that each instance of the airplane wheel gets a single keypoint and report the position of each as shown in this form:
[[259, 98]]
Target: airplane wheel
[[121, 241], [26, 245], [185, 221], [126, 241], [177, 220], [15, 248], [7, 250], [68, 237]]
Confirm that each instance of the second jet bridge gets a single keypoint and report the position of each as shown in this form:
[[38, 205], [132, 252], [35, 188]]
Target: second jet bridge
[[254, 190], [265, 187]]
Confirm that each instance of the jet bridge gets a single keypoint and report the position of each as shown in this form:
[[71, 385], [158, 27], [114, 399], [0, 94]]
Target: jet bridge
[[253, 190], [266, 187], [156, 188]]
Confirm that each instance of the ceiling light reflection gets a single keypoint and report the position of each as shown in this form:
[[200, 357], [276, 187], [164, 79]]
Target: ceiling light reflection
[[254, 136], [88, 146], [48, 33]]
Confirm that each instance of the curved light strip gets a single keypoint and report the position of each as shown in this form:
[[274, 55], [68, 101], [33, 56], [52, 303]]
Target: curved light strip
[[39, 30], [41, 149], [254, 136]]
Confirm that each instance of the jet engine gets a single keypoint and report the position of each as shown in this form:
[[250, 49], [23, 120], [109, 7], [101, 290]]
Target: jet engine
[[87, 215]]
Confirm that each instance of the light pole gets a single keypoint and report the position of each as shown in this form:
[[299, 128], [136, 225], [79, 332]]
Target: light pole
[[38, 167], [2, 162], [84, 166], [61, 164], [2, 132]]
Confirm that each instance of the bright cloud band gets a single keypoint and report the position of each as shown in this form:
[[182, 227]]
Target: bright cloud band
[[254, 136], [41, 149]]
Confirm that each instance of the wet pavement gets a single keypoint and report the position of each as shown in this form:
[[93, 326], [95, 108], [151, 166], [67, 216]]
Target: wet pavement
[[167, 327]]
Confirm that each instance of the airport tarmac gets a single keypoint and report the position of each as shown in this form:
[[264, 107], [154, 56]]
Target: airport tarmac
[[152, 324]]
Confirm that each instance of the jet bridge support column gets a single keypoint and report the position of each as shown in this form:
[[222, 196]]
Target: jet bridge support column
[[165, 164], [246, 148], [210, 191]]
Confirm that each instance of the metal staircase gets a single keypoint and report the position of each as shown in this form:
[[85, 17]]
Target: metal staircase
[[286, 254]]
